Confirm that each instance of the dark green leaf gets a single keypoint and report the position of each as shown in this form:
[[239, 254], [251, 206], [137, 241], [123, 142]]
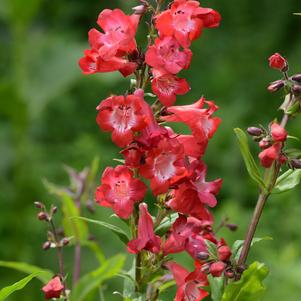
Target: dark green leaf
[[250, 163], [238, 244], [249, 287], [42, 274], [116, 230], [94, 279], [8, 290], [212, 249], [287, 181]]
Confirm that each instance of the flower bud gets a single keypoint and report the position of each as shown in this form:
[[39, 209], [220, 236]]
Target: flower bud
[[42, 216], [254, 131], [232, 227], [276, 86], [46, 245], [265, 143], [229, 274], [202, 256], [140, 9], [65, 241], [217, 268], [206, 268], [296, 89], [224, 253], [276, 61], [39, 205], [54, 210], [296, 163], [297, 78]]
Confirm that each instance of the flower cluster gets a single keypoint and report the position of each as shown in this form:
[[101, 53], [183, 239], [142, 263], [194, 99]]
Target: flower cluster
[[171, 162]]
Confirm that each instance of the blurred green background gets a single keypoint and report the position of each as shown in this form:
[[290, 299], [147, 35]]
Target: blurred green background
[[47, 118]]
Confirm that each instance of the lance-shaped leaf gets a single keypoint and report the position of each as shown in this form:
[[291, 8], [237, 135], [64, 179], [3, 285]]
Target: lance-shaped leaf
[[250, 163], [94, 279], [42, 274], [123, 236], [287, 181], [8, 290], [250, 286], [216, 287]]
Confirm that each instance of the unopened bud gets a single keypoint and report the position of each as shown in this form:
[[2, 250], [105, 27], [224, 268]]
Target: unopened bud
[[295, 163], [206, 268], [39, 205], [254, 131], [54, 210], [297, 78], [229, 274], [224, 253], [217, 268], [232, 227], [42, 216], [296, 89], [65, 241], [46, 245], [202, 256], [276, 86], [140, 9], [264, 143]]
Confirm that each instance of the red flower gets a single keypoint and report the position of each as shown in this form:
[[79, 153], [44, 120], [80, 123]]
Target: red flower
[[224, 253], [276, 61], [167, 86], [120, 190], [270, 155], [53, 288], [166, 56], [198, 118], [279, 134], [185, 20], [146, 240], [189, 284], [121, 115], [217, 268], [164, 165]]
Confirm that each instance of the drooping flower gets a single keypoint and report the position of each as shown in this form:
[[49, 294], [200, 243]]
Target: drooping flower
[[146, 238], [189, 284], [167, 86], [276, 61], [269, 155], [279, 134], [198, 119], [53, 288], [120, 190], [164, 165], [185, 20], [167, 57], [217, 268], [121, 115]]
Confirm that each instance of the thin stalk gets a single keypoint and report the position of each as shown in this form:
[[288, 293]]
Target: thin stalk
[[77, 250]]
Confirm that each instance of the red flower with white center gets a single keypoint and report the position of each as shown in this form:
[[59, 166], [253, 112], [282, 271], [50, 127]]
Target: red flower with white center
[[119, 190], [279, 134], [276, 61], [189, 284], [198, 119], [167, 86], [92, 63], [146, 238], [269, 155], [185, 20], [123, 116], [184, 235], [53, 288], [164, 165], [166, 55]]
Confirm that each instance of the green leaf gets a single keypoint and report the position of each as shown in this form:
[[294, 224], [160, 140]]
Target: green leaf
[[212, 249], [249, 287], [123, 236], [287, 181], [216, 286], [8, 290], [166, 223], [129, 284], [238, 244], [297, 14], [94, 279], [94, 247], [250, 163], [42, 274]]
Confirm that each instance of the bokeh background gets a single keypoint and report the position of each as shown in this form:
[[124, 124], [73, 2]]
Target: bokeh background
[[47, 119]]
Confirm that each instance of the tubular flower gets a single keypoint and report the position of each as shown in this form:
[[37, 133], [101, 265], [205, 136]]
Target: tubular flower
[[119, 190], [167, 57], [185, 20], [167, 86], [164, 165], [198, 119], [53, 288], [189, 284], [121, 115], [146, 238], [109, 49], [269, 155], [279, 134], [276, 61]]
